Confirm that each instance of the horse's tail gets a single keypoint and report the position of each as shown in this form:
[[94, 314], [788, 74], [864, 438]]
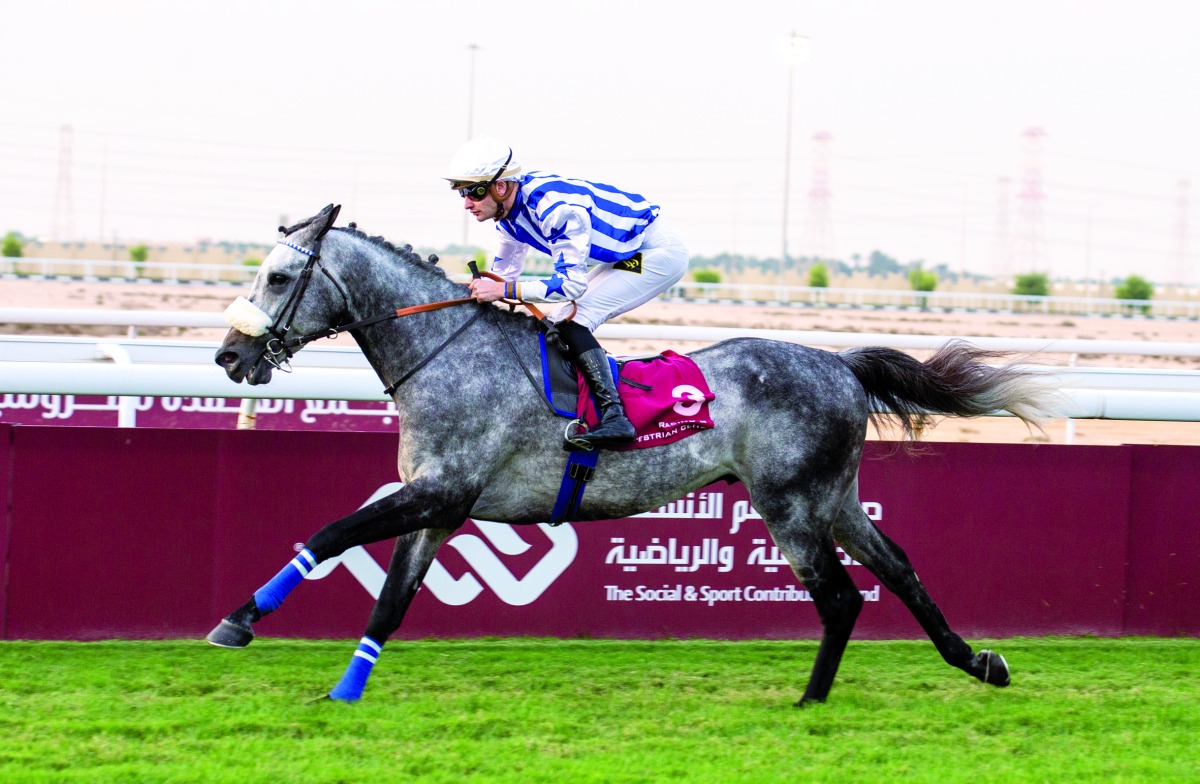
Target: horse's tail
[[954, 381]]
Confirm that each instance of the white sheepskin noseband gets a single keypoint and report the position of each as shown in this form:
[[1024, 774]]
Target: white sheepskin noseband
[[247, 318]]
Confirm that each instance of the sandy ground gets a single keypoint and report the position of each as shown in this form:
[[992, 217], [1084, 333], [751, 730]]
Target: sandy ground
[[70, 294]]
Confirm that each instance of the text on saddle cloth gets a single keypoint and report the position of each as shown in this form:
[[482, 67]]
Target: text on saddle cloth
[[666, 396]]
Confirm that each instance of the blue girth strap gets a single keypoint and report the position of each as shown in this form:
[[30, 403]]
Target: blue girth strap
[[581, 466]]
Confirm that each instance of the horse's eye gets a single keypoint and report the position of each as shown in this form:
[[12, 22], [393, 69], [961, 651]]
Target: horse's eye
[[277, 279]]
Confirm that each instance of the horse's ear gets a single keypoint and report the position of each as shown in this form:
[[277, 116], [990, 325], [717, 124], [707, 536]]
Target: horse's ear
[[326, 218]]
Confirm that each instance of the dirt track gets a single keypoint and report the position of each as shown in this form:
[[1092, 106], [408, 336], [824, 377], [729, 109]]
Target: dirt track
[[996, 430]]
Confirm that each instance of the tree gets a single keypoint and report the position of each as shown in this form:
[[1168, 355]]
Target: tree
[[881, 264], [706, 276], [818, 276], [12, 247], [1035, 284], [1136, 287], [922, 280]]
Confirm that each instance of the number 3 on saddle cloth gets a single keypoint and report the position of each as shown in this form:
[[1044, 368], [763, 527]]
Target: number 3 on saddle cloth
[[665, 397]]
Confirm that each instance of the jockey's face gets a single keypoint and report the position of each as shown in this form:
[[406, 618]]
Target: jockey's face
[[487, 207]]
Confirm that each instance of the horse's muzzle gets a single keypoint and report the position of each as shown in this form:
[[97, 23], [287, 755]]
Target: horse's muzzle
[[243, 362]]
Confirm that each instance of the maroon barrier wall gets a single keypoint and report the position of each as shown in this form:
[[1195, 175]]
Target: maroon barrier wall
[[159, 533]]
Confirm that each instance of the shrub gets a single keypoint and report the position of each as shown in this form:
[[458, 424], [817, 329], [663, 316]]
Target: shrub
[[12, 247], [706, 276], [1035, 284], [818, 276], [922, 280], [1136, 287], [139, 253]]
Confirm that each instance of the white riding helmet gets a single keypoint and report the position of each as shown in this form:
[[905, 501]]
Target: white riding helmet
[[480, 159]]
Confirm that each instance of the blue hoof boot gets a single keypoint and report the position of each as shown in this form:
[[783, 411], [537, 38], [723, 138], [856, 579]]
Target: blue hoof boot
[[346, 692], [230, 635]]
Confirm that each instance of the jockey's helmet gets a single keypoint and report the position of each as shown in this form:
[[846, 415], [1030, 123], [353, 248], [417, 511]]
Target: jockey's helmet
[[481, 159]]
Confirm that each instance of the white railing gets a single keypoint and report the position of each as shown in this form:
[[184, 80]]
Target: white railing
[[186, 319], [801, 296], [931, 300], [152, 368], [124, 270]]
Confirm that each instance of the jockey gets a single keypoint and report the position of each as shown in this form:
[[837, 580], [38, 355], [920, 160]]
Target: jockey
[[632, 254]]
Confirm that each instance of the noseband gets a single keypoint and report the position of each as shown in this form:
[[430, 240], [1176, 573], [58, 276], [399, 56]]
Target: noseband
[[280, 348]]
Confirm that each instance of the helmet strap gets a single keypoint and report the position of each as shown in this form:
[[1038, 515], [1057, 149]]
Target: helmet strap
[[501, 210]]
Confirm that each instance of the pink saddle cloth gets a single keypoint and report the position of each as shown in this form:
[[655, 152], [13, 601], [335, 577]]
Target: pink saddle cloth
[[667, 400]]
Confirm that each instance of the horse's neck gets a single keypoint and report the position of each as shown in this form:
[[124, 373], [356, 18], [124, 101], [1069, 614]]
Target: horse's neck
[[381, 282], [378, 283]]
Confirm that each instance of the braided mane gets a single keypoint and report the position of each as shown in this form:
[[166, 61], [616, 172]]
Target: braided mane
[[407, 254]]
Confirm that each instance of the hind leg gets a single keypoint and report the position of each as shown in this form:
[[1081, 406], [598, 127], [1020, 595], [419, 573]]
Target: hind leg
[[814, 561], [865, 543], [411, 559]]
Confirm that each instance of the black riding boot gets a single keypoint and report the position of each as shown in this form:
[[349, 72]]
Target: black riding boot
[[614, 428]]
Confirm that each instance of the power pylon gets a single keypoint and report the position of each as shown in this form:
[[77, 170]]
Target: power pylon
[[1029, 250], [819, 229], [1181, 272], [1001, 238], [62, 227]]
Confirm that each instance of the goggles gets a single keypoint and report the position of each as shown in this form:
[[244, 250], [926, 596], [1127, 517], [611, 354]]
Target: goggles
[[478, 191]]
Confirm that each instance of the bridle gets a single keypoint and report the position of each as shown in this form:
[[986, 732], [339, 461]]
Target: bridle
[[282, 347], [279, 349]]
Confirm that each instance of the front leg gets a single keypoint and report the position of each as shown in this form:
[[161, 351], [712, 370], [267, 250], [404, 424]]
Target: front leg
[[421, 504], [411, 560]]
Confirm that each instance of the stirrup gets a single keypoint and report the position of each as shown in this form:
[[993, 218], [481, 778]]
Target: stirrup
[[571, 437]]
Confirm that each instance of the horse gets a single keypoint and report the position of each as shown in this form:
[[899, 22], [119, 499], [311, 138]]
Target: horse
[[476, 439]]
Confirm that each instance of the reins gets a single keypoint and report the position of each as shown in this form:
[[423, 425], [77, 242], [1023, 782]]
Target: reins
[[279, 345]]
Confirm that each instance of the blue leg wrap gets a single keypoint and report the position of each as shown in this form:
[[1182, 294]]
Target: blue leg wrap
[[350, 687], [270, 596]]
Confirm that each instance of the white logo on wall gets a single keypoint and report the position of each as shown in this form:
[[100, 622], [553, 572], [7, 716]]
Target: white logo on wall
[[485, 564]]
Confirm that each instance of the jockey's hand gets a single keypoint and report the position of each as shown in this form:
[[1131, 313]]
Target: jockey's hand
[[486, 289]]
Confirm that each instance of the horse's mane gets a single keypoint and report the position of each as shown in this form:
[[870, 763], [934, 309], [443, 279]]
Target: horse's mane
[[408, 255], [405, 252]]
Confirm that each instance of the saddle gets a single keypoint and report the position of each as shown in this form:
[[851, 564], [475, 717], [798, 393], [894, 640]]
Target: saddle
[[665, 397]]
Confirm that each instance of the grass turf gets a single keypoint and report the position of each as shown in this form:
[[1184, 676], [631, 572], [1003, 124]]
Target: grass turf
[[527, 710]]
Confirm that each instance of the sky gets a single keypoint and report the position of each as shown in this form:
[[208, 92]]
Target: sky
[[219, 120]]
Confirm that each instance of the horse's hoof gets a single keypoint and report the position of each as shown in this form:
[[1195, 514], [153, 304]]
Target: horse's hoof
[[995, 668], [230, 635]]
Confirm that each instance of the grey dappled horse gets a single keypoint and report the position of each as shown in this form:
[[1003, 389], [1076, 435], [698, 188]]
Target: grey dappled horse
[[477, 439]]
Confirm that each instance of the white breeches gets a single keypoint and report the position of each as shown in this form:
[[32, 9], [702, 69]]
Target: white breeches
[[612, 291]]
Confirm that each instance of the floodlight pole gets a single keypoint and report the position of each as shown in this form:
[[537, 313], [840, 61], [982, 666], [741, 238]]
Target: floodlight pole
[[472, 48], [787, 166], [795, 51]]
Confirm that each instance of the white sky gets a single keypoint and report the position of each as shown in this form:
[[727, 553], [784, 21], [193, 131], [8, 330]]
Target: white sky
[[213, 120]]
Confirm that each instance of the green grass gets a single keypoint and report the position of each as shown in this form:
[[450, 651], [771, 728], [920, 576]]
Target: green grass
[[604, 711]]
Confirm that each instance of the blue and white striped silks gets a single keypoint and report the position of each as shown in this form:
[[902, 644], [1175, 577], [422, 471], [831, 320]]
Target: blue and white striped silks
[[350, 687], [572, 222], [271, 595]]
